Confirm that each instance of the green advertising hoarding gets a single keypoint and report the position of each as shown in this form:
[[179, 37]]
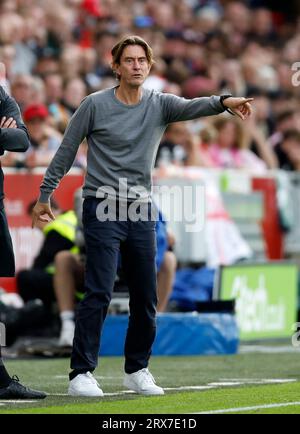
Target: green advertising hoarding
[[266, 298]]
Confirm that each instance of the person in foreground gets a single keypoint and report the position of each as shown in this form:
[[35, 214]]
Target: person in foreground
[[13, 137], [123, 126]]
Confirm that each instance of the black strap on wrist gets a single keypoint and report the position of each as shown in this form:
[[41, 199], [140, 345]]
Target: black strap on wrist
[[222, 98]]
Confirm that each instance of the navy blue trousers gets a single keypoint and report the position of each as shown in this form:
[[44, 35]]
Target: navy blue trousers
[[104, 240]]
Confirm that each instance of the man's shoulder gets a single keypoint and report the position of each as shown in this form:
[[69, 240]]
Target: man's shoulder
[[101, 94]]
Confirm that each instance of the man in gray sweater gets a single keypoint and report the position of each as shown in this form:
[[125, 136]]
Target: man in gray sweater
[[123, 127]]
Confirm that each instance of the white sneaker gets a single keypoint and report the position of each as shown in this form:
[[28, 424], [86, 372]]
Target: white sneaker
[[67, 334], [84, 385], [142, 382]]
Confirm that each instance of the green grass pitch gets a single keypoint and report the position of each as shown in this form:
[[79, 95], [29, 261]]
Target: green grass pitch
[[244, 383]]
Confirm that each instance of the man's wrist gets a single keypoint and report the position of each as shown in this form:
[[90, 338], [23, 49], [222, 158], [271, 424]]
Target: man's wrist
[[44, 197], [223, 99]]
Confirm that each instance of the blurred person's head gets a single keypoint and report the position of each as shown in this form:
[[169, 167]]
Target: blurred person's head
[[208, 135], [21, 89], [285, 74], [53, 87], [46, 64], [89, 60], [12, 28], [132, 59], [184, 14], [177, 133], [290, 52], [61, 20], [262, 22], [164, 16], [35, 117], [7, 56], [259, 67], [291, 147], [38, 91], [208, 19], [238, 15], [230, 133], [70, 62], [74, 92], [231, 70], [8, 6], [173, 88], [174, 45], [262, 107], [286, 120], [103, 42]]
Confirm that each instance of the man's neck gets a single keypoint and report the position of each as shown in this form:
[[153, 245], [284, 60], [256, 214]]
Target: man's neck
[[129, 96]]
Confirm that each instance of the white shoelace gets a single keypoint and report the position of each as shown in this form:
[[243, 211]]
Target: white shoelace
[[93, 379], [147, 377]]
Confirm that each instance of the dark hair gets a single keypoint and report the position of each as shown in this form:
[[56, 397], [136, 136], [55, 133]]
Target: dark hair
[[291, 135], [118, 49], [284, 115]]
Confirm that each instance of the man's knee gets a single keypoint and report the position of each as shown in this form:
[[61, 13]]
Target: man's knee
[[169, 263], [65, 259]]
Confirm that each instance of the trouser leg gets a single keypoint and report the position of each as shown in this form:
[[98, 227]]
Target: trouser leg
[[138, 261], [102, 248]]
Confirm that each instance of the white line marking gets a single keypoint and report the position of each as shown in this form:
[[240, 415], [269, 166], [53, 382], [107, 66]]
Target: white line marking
[[254, 381], [256, 407], [16, 401], [189, 388], [263, 349]]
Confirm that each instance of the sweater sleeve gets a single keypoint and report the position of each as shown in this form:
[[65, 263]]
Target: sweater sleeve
[[176, 109], [79, 127], [12, 139]]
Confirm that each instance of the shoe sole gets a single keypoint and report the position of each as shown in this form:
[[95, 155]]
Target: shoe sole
[[145, 393], [85, 395], [74, 393]]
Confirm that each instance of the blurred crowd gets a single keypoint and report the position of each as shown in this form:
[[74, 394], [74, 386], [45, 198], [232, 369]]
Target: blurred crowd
[[56, 52]]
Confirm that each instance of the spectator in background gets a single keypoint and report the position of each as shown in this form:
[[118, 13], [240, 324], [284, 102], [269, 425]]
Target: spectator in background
[[231, 149], [166, 262], [37, 282], [73, 94], [288, 151], [54, 94], [44, 139], [21, 89], [285, 121], [171, 149]]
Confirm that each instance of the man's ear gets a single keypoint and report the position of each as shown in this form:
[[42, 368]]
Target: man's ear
[[115, 68]]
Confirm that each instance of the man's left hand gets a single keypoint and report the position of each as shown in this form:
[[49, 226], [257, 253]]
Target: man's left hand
[[240, 106]]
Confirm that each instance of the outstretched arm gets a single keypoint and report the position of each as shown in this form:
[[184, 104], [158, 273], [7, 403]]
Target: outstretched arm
[[177, 109]]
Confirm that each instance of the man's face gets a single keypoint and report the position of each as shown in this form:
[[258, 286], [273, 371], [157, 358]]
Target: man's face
[[292, 149], [134, 67]]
